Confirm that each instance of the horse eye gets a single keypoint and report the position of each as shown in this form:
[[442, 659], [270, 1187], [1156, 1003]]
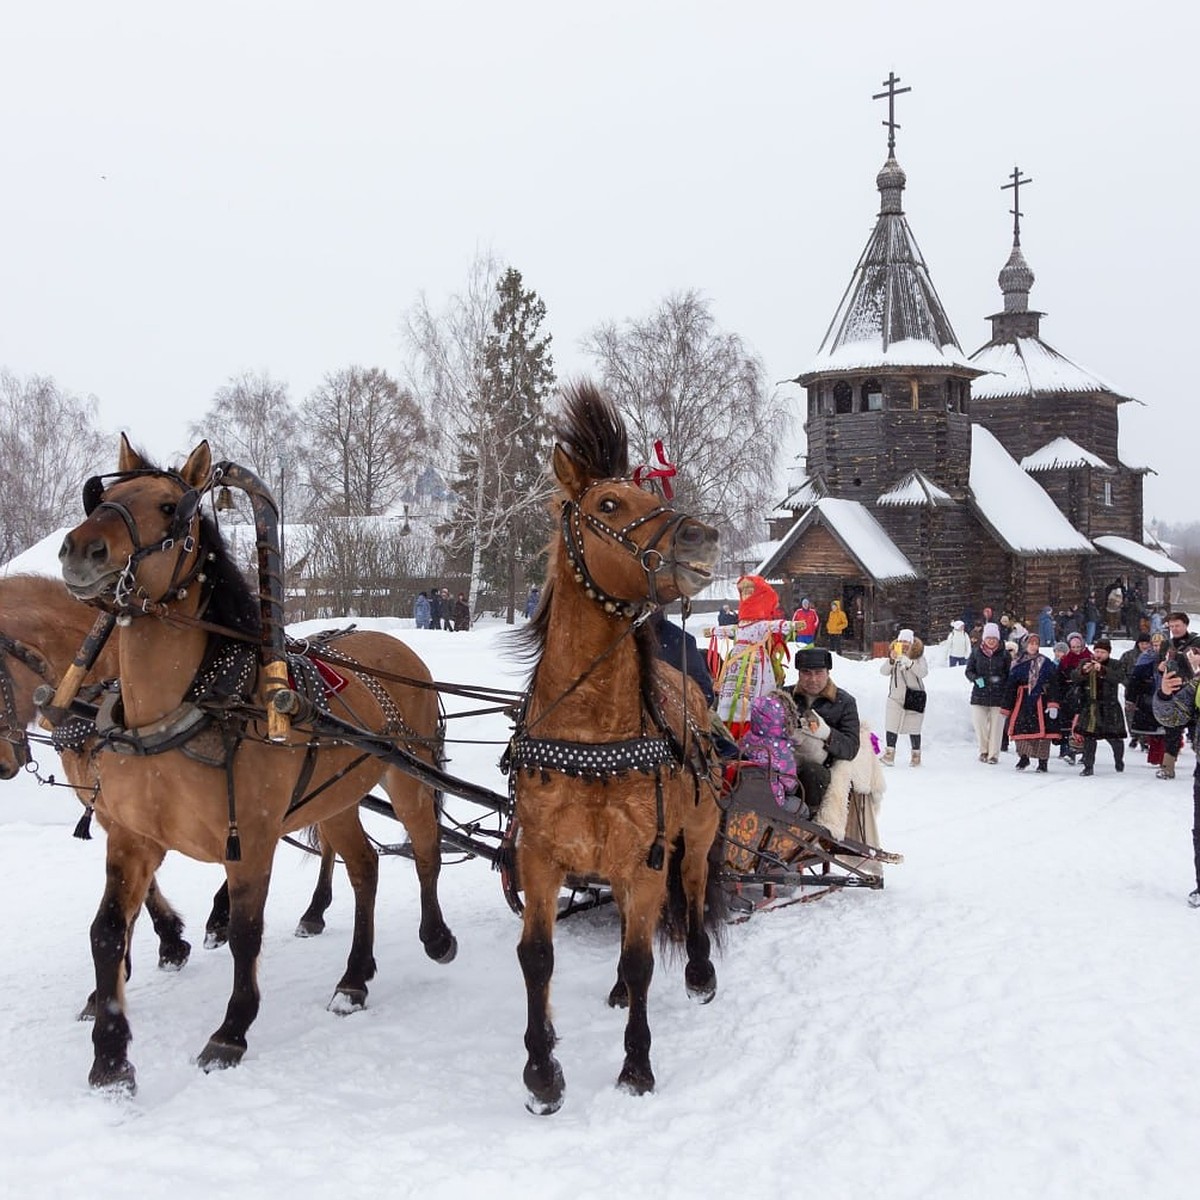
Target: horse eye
[[167, 510], [609, 505]]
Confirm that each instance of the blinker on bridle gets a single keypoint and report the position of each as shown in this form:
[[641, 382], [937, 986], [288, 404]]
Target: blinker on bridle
[[126, 591]]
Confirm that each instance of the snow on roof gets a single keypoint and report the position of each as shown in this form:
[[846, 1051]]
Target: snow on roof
[[1029, 367], [807, 492], [858, 530], [1015, 506], [863, 356], [40, 559], [914, 490], [1060, 453], [1154, 561]]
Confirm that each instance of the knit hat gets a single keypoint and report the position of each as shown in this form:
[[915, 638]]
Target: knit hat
[[1102, 644], [1061, 647], [991, 630], [956, 624], [1074, 637], [1142, 637], [905, 635]]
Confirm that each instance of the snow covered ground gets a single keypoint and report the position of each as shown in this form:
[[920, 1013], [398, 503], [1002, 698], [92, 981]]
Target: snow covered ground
[[1015, 1014]]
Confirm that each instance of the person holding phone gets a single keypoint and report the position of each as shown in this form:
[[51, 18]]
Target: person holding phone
[[1172, 658], [1175, 709], [1101, 714]]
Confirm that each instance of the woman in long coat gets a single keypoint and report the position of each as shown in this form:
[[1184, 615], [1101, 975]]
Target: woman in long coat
[[1032, 703], [906, 668]]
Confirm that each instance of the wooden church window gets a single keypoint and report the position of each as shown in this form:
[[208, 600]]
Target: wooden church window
[[843, 397], [1108, 495], [872, 396]]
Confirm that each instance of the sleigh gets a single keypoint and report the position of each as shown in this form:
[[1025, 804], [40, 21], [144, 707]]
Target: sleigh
[[770, 855]]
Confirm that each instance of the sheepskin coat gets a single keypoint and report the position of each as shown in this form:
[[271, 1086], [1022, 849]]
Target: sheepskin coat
[[903, 673]]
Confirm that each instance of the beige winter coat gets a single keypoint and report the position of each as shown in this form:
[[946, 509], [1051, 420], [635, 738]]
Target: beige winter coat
[[907, 671]]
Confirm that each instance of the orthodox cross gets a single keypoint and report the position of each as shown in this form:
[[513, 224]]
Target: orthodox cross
[[1017, 181], [892, 92]]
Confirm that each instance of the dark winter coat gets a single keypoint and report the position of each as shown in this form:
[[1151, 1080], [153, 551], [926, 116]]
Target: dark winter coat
[[677, 647], [1030, 704], [1140, 684], [1100, 713], [993, 670], [839, 710]]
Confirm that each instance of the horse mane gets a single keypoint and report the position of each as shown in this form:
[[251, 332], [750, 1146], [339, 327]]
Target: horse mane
[[590, 430], [231, 602]]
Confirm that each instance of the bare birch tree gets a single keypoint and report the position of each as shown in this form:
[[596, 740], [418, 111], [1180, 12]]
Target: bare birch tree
[[49, 445], [366, 438], [675, 376]]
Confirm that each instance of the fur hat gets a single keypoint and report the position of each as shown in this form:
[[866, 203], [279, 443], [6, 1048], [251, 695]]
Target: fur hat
[[813, 659], [905, 635], [991, 630], [1061, 647], [1074, 636], [1102, 644]]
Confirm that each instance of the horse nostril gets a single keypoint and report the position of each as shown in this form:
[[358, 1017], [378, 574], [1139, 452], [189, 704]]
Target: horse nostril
[[65, 548], [97, 551]]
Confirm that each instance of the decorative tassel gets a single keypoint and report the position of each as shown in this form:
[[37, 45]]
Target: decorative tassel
[[83, 828], [233, 845]]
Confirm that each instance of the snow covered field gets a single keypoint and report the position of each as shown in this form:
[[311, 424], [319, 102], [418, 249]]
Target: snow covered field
[[1015, 1015]]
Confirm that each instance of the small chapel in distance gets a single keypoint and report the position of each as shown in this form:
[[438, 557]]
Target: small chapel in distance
[[935, 482]]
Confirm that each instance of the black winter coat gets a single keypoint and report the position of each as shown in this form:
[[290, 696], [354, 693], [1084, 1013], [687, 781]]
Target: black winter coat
[[993, 670], [839, 710], [1101, 713], [1029, 706]]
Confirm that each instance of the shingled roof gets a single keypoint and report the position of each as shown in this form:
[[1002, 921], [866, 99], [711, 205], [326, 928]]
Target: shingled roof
[[890, 315]]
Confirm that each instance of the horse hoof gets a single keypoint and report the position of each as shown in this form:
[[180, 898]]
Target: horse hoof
[[546, 1088], [635, 1081], [118, 1079], [443, 950], [219, 1056], [88, 1011], [173, 957], [347, 1000], [214, 939], [619, 996], [309, 928], [701, 983]]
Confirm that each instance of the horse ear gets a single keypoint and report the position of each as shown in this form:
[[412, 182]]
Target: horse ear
[[129, 459], [198, 468], [568, 473]]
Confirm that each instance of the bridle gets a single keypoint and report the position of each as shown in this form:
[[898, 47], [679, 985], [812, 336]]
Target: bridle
[[650, 558], [129, 597], [11, 730]]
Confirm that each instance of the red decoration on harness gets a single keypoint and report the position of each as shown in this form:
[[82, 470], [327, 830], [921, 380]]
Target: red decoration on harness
[[333, 681], [663, 474]]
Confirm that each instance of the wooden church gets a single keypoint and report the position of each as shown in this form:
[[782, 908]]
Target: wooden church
[[937, 482]]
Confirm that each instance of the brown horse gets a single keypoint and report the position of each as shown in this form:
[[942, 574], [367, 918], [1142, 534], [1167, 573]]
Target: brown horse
[[614, 775], [147, 551], [41, 628]]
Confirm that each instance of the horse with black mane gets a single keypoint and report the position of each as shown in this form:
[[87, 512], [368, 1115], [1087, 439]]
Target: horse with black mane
[[614, 777], [186, 762]]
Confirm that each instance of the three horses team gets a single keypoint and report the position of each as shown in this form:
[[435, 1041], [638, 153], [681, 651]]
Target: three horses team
[[612, 771]]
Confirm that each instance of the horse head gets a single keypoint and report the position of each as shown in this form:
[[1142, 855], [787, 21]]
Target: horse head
[[139, 546], [624, 544]]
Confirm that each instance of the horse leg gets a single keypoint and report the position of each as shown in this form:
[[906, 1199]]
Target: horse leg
[[130, 863], [173, 949], [416, 806], [535, 952], [248, 883], [312, 922], [344, 835], [216, 928], [700, 976], [641, 905], [618, 997]]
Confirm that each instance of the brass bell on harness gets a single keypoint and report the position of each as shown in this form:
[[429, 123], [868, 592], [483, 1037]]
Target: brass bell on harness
[[224, 501]]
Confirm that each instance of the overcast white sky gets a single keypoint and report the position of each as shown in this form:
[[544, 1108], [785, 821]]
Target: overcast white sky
[[190, 191]]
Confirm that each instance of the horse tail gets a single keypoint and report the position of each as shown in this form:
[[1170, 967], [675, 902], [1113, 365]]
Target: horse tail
[[673, 924]]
